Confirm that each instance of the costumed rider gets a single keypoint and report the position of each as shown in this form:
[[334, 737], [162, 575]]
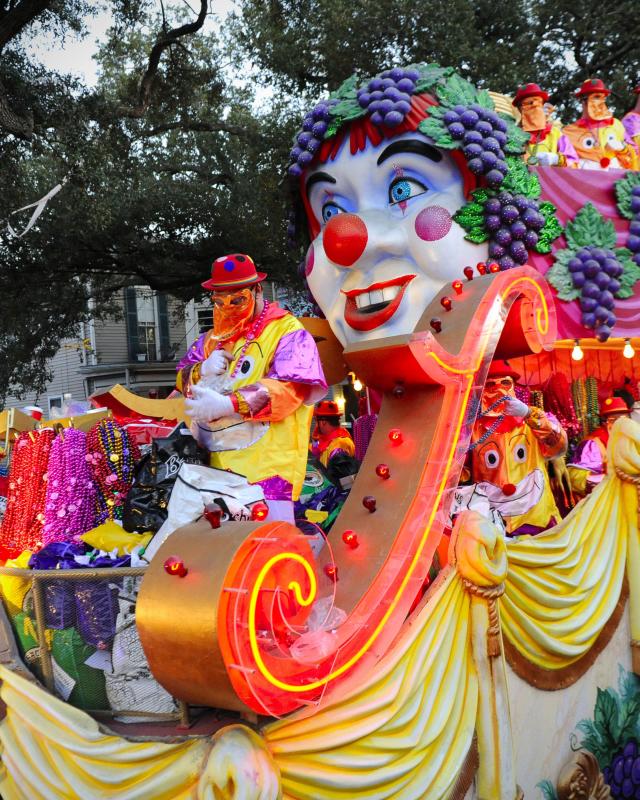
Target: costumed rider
[[510, 445], [631, 122], [329, 438], [589, 463], [598, 138], [251, 383], [547, 145]]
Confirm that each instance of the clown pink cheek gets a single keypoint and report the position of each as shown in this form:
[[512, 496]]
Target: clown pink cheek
[[308, 267], [433, 223]]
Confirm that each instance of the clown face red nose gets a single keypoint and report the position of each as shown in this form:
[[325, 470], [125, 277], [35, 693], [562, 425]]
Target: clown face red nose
[[508, 489], [344, 239]]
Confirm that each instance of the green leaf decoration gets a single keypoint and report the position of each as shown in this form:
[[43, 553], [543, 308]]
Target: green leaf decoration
[[430, 75], [347, 110], [484, 100], [517, 139], [471, 217], [348, 89], [456, 91], [547, 789], [630, 275], [606, 718], [332, 128], [437, 130], [592, 740], [623, 193], [628, 684], [520, 181], [589, 227], [551, 229], [560, 277]]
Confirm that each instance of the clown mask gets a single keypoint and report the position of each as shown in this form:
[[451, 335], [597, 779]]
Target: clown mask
[[595, 107], [533, 114], [494, 390], [232, 311]]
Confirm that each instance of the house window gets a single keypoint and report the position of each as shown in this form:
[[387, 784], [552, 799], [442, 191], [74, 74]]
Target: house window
[[205, 319], [147, 324], [55, 402]]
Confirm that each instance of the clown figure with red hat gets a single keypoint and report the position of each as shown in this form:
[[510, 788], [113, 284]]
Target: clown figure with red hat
[[598, 138], [251, 383], [510, 445], [547, 145]]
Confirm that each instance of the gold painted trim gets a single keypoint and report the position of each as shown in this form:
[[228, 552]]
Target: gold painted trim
[[552, 680], [467, 772]]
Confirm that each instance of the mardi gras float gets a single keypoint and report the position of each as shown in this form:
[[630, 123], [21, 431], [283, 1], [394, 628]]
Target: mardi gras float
[[455, 635]]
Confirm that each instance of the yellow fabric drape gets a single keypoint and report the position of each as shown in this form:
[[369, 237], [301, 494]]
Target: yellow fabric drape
[[563, 585], [402, 732]]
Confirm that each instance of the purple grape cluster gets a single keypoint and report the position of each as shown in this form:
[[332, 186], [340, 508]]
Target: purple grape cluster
[[633, 242], [595, 271], [387, 98], [483, 134], [623, 774], [513, 222], [308, 141]]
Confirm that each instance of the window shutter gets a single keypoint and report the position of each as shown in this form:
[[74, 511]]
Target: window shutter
[[163, 324], [131, 313]]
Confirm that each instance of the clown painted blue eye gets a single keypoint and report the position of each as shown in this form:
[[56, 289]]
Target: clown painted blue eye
[[330, 210], [403, 189]]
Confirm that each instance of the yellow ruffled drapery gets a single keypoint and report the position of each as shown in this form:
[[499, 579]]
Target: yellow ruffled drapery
[[563, 586]]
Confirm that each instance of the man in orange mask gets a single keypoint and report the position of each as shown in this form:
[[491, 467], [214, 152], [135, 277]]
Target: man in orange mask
[[268, 375], [598, 138], [510, 446], [328, 437], [547, 145]]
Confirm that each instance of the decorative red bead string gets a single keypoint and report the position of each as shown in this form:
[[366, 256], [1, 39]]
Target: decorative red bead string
[[111, 455]]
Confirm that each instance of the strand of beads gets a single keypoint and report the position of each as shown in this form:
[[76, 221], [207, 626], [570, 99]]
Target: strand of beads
[[251, 335], [111, 455], [71, 494], [593, 412], [22, 524]]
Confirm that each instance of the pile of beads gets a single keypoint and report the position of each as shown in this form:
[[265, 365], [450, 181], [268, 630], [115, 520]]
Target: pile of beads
[[71, 495], [111, 455], [24, 518]]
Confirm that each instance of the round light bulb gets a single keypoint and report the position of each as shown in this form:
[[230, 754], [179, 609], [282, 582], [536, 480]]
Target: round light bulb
[[576, 353], [357, 385], [340, 403], [628, 351]]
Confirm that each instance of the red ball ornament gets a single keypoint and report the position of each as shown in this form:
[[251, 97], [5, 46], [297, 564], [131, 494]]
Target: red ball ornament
[[344, 239], [493, 267], [383, 471], [457, 287], [482, 269], [174, 565], [436, 324], [350, 538], [259, 511], [213, 517], [331, 571], [369, 502], [446, 303], [468, 273], [395, 436]]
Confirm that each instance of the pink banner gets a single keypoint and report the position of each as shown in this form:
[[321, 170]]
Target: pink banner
[[569, 190]]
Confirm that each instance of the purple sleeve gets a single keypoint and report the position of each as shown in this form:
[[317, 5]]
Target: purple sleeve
[[631, 124], [194, 354], [566, 149], [296, 360], [588, 456]]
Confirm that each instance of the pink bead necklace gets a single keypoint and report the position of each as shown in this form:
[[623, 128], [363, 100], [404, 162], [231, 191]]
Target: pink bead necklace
[[251, 335]]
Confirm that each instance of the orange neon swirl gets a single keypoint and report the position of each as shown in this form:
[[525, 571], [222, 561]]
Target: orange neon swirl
[[542, 324]]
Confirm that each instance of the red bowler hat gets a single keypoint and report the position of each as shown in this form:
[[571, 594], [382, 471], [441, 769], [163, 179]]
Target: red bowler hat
[[502, 369], [529, 90], [233, 272], [591, 86], [613, 405], [327, 408]]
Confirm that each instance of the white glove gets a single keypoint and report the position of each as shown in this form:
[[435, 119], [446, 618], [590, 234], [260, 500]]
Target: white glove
[[207, 404], [547, 159], [216, 364], [515, 408]]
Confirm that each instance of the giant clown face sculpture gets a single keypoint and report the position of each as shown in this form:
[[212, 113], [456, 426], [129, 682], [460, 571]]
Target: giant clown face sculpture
[[386, 241]]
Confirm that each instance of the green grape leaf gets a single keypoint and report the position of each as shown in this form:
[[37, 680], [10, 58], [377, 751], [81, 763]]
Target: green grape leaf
[[517, 139], [589, 227], [547, 789], [606, 718], [332, 128], [347, 90], [551, 229], [484, 99], [630, 275], [560, 277], [629, 715], [430, 75], [623, 193], [628, 684], [592, 741], [436, 129], [519, 180], [471, 218], [456, 91], [347, 110]]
